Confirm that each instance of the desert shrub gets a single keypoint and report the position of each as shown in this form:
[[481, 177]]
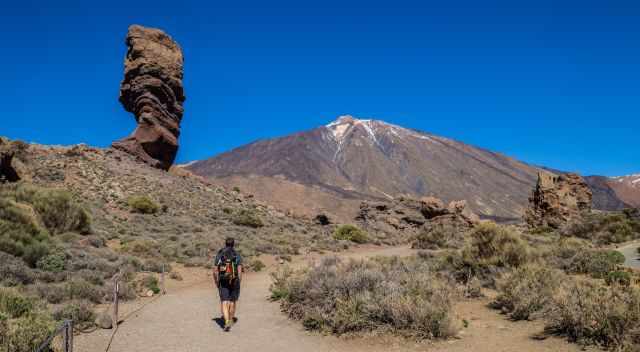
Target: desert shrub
[[142, 205], [82, 289], [14, 304], [563, 251], [20, 234], [59, 213], [175, 276], [79, 311], [497, 245], [25, 334], [527, 290], [140, 247], [54, 263], [596, 262], [605, 228], [156, 266], [389, 295], [618, 277], [350, 233], [53, 294], [256, 265], [492, 250], [439, 236], [247, 218], [55, 208], [588, 312], [14, 271], [151, 283], [435, 238]]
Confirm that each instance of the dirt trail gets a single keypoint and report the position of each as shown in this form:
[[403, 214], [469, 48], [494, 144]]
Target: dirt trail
[[183, 321], [630, 251]]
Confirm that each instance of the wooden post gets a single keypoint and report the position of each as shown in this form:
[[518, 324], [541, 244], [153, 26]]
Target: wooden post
[[68, 336], [114, 312], [162, 287]]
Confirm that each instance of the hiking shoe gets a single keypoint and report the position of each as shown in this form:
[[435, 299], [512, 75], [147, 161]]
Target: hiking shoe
[[227, 325]]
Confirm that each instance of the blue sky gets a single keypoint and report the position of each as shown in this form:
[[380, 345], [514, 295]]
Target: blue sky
[[553, 83]]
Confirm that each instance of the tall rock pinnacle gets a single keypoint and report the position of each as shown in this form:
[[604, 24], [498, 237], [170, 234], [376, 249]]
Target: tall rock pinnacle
[[152, 90]]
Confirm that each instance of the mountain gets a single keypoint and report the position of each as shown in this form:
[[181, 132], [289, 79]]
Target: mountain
[[627, 188], [604, 196], [332, 168]]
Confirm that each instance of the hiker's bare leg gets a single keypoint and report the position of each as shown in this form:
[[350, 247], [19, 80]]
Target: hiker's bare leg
[[232, 309], [225, 311], [221, 309]]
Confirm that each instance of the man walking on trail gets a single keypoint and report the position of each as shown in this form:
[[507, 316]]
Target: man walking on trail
[[227, 274]]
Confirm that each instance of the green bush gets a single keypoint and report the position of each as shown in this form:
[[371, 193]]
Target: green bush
[[528, 290], [14, 304], [338, 297], [59, 213], [350, 233], [618, 277], [256, 265], [143, 205], [247, 218], [26, 333], [492, 244], [54, 263], [597, 262], [151, 283]]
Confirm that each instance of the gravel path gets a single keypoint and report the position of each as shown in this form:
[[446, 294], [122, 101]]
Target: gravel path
[[630, 251], [184, 322]]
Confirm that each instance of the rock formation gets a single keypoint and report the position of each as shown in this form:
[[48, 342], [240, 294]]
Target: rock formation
[[10, 167], [556, 200], [411, 216], [152, 90]]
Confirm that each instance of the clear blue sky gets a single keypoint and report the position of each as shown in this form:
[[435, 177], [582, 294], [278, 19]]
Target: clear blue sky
[[554, 83]]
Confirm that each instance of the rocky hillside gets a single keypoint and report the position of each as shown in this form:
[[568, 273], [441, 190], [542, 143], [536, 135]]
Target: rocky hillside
[[187, 216], [331, 167]]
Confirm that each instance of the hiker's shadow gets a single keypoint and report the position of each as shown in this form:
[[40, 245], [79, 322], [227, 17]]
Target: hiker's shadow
[[220, 321]]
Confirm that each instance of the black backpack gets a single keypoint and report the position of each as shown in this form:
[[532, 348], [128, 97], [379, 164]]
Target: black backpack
[[227, 266]]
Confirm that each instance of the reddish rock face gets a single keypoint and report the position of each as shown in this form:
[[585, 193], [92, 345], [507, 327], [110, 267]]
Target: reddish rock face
[[152, 90], [558, 199]]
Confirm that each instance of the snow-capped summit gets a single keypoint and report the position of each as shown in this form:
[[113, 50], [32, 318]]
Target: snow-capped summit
[[353, 159]]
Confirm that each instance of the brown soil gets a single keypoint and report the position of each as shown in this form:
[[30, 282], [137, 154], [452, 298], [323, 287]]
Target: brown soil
[[183, 320]]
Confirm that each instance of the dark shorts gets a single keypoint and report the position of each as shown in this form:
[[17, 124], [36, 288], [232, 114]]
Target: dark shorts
[[229, 292]]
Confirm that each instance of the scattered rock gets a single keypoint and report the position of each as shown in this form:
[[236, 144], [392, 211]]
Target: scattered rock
[[104, 321], [149, 293], [152, 90], [322, 219], [556, 200]]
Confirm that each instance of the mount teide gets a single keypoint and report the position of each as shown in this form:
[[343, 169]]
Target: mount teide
[[333, 167]]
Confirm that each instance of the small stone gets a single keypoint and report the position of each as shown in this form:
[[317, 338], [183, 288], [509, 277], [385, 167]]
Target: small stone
[[149, 293]]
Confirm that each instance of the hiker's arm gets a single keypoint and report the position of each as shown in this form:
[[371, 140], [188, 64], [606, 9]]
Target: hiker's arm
[[215, 277], [240, 272]]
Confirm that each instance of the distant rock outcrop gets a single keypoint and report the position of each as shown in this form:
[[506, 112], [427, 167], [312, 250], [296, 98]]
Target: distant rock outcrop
[[410, 216], [558, 199], [152, 90]]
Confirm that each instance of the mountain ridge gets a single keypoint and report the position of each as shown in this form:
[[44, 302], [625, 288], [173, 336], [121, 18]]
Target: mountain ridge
[[349, 160]]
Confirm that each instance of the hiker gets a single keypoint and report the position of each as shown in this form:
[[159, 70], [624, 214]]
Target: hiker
[[227, 275]]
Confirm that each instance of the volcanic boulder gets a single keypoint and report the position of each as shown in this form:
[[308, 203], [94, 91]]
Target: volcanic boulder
[[556, 200], [152, 90]]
